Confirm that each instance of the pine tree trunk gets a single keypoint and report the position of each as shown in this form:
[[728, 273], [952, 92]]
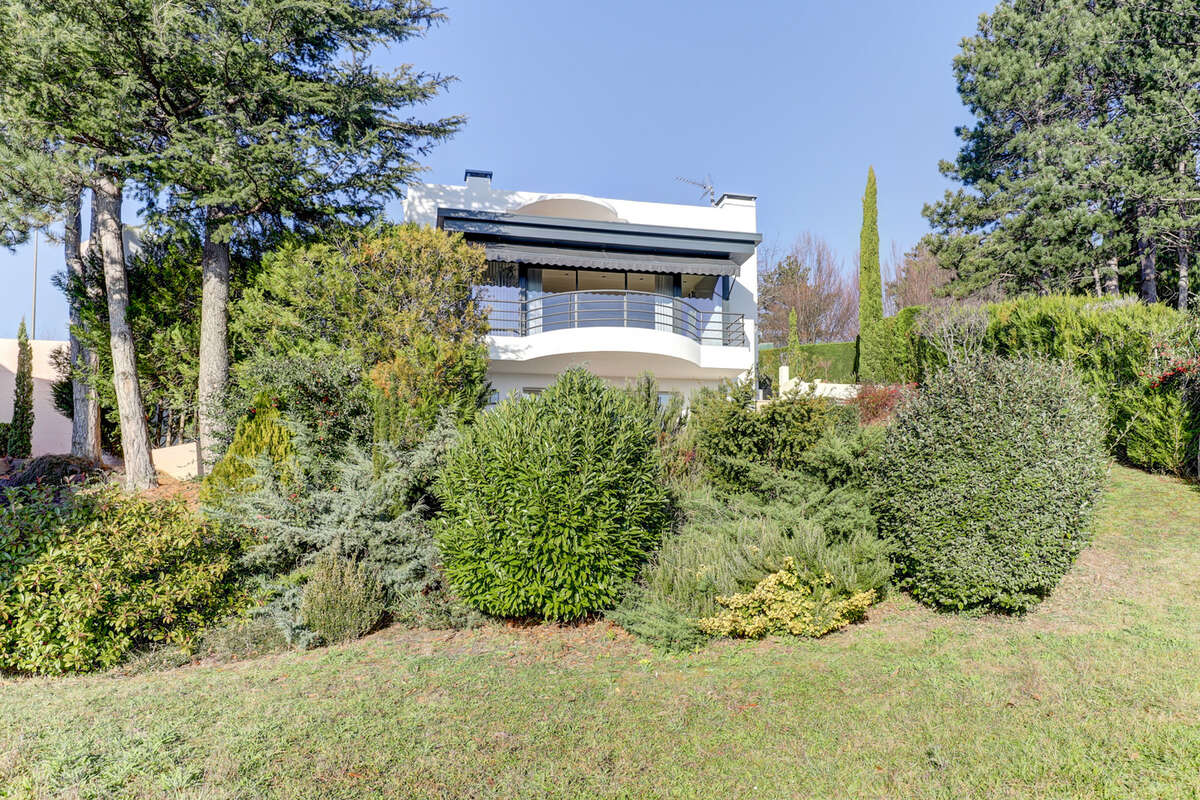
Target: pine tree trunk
[[1148, 257], [135, 439], [1184, 259], [214, 343], [85, 411], [1112, 286]]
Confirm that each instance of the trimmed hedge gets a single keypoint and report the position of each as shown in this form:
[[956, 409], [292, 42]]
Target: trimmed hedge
[[839, 355], [550, 504], [986, 482], [1111, 344]]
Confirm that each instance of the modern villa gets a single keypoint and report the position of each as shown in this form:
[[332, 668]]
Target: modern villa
[[619, 286]]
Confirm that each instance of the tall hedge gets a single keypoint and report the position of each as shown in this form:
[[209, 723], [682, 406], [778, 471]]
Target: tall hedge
[[1111, 344], [550, 504], [20, 430], [986, 483]]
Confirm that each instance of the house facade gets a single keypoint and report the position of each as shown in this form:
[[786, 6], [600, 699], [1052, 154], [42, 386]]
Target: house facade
[[619, 286]]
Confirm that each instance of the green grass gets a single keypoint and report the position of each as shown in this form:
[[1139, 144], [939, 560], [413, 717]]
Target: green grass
[[832, 361], [1094, 695]]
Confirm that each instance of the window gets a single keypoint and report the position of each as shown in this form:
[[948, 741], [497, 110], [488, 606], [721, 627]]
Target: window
[[531, 391]]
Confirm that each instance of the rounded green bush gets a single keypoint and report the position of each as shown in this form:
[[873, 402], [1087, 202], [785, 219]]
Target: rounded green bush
[[986, 483], [551, 503], [87, 578]]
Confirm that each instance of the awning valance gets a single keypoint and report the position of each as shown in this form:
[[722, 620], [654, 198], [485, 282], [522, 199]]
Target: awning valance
[[607, 260]]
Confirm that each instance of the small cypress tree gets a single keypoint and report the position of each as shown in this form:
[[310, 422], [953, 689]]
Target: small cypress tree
[[20, 431], [259, 437], [870, 290], [794, 355]]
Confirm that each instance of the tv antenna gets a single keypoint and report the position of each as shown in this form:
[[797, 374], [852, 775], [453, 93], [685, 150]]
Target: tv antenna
[[705, 185]]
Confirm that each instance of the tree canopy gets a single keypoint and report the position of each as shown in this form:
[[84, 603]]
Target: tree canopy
[[1079, 172]]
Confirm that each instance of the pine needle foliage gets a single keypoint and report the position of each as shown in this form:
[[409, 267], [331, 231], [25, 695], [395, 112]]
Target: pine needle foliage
[[261, 437], [726, 545], [20, 430], [373, 512]]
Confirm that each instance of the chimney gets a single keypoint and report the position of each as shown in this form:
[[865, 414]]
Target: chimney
[[728, 199], [478, 178]]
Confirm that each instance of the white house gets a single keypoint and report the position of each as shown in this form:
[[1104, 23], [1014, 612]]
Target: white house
[[620, 286]]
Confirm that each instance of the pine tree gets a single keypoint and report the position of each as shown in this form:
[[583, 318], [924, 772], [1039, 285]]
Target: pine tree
[[870, 289], [20, 431]]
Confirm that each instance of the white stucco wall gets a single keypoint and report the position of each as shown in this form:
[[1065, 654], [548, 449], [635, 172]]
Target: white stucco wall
[[614, 353], [51, 430]]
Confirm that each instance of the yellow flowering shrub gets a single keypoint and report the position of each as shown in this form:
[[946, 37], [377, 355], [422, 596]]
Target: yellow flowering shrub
[[786, 603]]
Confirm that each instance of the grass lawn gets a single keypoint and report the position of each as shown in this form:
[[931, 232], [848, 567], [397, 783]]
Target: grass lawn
[[1095, 695]]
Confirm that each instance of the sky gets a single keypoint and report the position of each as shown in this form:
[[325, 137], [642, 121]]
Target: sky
[[789, 100]]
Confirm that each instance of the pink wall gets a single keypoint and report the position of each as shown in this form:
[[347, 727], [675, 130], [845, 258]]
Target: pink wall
[[51, 430]]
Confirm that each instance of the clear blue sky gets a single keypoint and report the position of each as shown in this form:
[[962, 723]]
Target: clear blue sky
[[790, 100]]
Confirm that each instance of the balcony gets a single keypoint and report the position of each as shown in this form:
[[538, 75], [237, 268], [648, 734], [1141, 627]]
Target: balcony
[[616, 309]]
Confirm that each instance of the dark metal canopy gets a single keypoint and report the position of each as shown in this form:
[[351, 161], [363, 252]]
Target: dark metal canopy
[[607, 260], [719, 252]]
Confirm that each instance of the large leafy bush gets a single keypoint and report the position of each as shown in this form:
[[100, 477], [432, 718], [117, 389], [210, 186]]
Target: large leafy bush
[[986, 482], [551, 503], [732, 434], [87, 578]]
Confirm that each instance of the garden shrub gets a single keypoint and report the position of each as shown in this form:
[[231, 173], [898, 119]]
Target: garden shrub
[[374, 511], [88, 578], [54, 470], [727, 544], [731, 433], [551, 503], [875, 403], [985, 484], [261, 437], [321, 396], [3, 439], [426, 378], [788, 602], [1112, 344], [342, 599]]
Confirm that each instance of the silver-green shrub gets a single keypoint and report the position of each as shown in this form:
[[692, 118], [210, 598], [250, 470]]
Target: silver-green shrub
[[342, 599]]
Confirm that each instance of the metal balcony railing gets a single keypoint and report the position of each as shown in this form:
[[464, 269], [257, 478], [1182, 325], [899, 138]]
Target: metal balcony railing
[[615, 309]]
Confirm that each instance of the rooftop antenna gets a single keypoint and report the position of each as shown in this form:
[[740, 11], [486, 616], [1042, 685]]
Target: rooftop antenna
[[705, 185]]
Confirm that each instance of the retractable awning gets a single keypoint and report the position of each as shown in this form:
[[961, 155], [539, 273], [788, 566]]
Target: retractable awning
[[613, 261]]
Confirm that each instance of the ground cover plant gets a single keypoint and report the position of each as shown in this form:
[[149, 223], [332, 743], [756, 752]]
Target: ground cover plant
[[551, 503], [1090, 696], [985, 484]]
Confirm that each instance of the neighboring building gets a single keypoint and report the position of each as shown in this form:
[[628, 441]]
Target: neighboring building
[[51, 430], [619, 286]]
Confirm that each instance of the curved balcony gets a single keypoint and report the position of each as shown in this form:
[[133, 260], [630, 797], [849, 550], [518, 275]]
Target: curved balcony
[[616, 309]]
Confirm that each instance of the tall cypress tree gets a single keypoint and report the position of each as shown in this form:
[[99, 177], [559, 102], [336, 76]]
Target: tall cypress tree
[[20, 432], [870, 289]]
